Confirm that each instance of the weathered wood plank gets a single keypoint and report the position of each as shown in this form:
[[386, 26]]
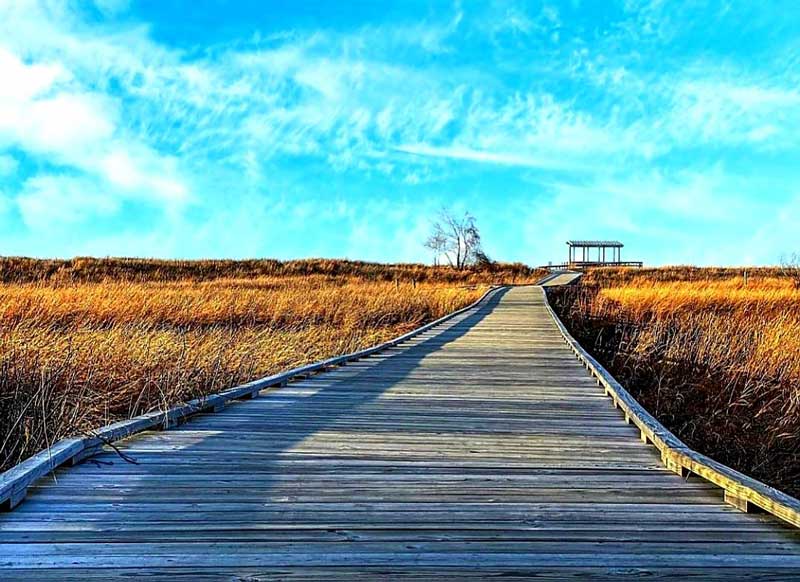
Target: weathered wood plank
[[417, 573]]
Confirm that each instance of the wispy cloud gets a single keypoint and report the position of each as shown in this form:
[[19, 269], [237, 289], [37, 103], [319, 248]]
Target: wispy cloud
[[103, 114], [492, 157]]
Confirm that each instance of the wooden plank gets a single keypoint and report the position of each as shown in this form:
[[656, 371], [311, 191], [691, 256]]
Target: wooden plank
[[758, 542], [205, 555], [417, 573]]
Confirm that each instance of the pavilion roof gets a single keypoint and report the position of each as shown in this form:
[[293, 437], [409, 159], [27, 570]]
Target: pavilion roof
[[595, 243]]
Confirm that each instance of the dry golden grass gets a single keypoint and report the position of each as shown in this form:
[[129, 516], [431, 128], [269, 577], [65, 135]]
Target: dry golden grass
[[87, 269], [76, 355], [750, 331], [716, 358]]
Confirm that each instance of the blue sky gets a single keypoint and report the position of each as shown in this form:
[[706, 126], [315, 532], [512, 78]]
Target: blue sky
[[337, 129]]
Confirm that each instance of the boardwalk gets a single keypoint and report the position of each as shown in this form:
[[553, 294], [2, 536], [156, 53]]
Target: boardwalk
[[560, 278], [481, 448]]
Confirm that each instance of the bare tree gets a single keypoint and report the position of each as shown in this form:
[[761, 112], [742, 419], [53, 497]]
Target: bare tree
[[456, 238], [437, 242], [790, 267]]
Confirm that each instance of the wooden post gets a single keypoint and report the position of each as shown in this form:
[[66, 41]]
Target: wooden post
[[740, 503]]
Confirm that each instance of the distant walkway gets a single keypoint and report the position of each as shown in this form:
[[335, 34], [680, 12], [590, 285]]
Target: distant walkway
[[480, 448], [560, 278]]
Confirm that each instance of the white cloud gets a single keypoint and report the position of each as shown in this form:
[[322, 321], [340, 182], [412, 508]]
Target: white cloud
[[23, 82], [40, 112], [719, 111], [47, 113], [504, 158], [119, 170], [63, 124], [695, 216], [51, 202], [122, 170]]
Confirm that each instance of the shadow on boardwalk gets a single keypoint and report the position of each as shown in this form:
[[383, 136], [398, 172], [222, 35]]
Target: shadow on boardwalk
[[248, 448]]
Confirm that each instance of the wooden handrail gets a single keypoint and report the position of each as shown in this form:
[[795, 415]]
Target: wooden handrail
[[741, 491], [593, 265], [15, 481]]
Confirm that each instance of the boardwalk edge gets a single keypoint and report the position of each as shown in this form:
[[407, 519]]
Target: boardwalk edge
[[740, 491], [15, 481]]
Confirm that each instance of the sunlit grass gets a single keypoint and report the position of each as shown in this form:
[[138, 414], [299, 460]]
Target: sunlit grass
[[77, 355], [750, 330]]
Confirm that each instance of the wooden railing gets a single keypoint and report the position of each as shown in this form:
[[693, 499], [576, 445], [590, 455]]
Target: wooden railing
[[741, 491], [14, 482], [593, 265]]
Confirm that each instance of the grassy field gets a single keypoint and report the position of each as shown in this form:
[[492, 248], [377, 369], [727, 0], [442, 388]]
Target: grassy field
[[87, 342], [712, 353]]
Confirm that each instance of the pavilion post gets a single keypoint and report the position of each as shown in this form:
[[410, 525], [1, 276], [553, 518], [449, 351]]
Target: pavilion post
[[581, 252]]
